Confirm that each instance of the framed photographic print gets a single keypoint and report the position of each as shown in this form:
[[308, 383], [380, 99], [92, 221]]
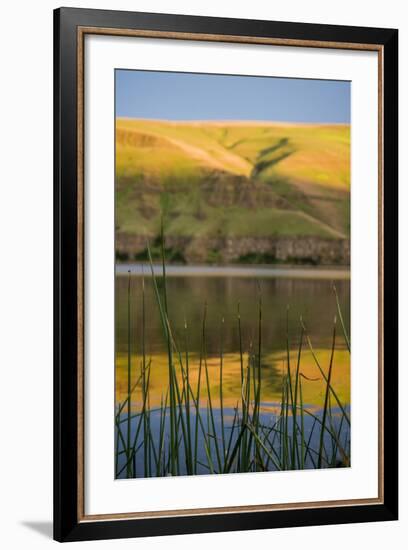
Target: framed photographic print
[[225, 274]]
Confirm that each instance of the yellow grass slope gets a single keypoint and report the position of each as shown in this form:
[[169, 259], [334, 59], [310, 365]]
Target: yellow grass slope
[[198, 169], [319, 154]]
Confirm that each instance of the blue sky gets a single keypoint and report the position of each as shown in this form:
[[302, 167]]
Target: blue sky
[[189, 96]]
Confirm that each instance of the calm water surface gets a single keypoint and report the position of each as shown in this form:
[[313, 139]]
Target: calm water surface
[[287, 295]]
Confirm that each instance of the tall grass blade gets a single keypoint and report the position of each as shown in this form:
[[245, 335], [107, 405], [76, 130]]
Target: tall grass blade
[[129, 379], [345, 334]]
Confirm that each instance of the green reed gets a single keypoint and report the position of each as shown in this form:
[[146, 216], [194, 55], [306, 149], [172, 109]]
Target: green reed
[[188, 440]]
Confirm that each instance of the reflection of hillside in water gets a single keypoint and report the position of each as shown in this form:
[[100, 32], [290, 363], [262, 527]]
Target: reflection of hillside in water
[[312, 299], [273, 366]]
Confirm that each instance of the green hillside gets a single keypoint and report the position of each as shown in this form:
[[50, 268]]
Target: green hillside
[[231, 179]]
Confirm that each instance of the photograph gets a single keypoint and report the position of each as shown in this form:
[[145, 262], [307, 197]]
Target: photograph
[[232, 274]]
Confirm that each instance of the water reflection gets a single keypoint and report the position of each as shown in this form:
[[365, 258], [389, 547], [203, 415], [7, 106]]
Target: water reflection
[[147, 419], [312, 299]]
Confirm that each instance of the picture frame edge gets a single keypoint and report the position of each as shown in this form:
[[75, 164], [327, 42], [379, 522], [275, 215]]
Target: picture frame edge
[[67, 526]]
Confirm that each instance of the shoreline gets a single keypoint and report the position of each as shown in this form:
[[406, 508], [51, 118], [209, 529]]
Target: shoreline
[[261, 271]]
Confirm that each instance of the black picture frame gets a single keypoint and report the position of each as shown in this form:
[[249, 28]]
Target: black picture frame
[[67, 525]]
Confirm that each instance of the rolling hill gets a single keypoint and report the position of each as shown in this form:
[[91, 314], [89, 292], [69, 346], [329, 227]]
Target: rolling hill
[[233, 191]]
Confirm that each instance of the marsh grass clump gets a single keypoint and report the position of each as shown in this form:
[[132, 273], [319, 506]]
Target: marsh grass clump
[[192, 431]]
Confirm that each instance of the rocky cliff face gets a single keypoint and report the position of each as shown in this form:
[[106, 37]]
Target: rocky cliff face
[[226, 250]]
